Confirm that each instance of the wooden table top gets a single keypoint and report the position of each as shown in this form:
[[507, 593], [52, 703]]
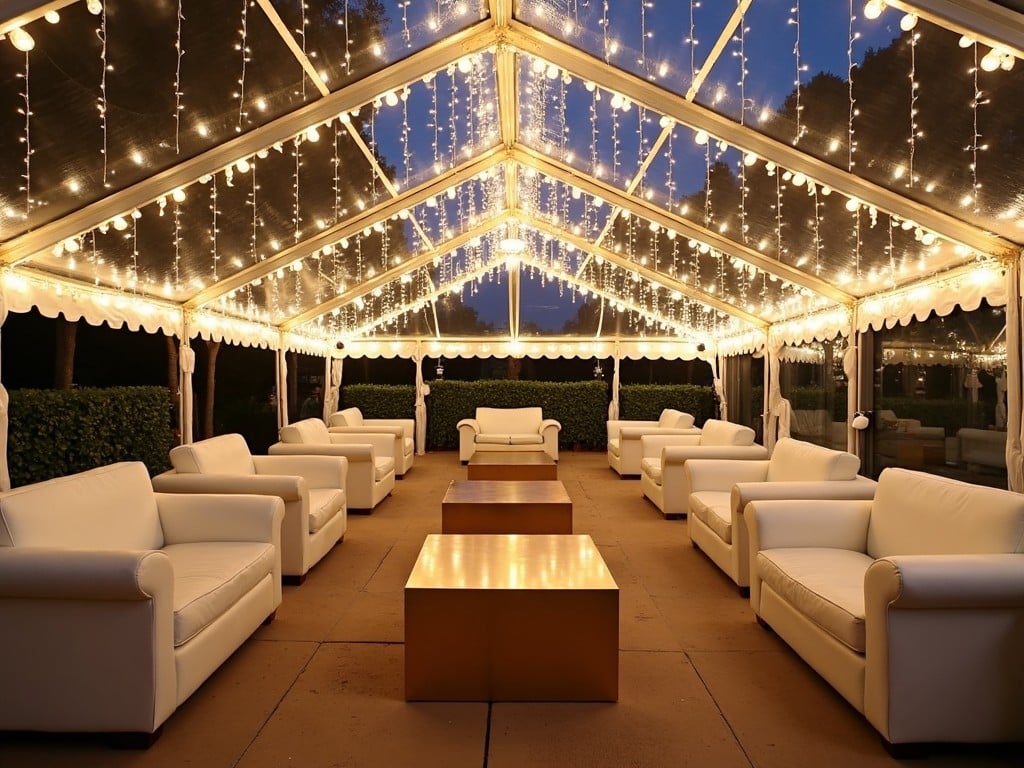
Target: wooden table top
[[516, 458], [506, 492], [510, 561]]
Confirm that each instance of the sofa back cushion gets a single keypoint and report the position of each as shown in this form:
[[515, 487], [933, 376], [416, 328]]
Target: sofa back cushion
[[915, 513], [505, 421], [717, 432], [350, 417], [111, 507], [305, 431], [673, 419], [221, 455], [799, 460]]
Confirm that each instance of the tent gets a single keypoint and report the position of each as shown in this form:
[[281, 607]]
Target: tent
[[417, 177]]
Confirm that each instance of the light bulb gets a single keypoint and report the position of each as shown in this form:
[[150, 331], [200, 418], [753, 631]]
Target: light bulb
[[989, 62], [178, 195], [243, 166], [873, 9], [22, 40], [52, 16], [120, 223], [966, 41], [701, 137], [391, 98], [1007, 61], [908, 22], [95, 7], [312, 134]]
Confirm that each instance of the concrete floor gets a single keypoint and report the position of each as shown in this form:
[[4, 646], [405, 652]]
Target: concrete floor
[[701, 684]]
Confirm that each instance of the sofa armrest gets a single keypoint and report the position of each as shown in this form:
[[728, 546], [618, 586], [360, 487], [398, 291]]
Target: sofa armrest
[[289, 488], [381, 444], [723, 474], [677, 454], [353, 453], [547, 424], [216, 517], [832, 524], [43, 573], [317, 471], [743, 492], [472, 424], [635, 433], [408, 425], [651, 446], [945, 582], [615, 426], [369, 429]]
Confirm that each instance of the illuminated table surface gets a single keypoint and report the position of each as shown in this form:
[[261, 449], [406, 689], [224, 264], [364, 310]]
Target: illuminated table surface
[[506, 506], [511, 618], [511, 465]]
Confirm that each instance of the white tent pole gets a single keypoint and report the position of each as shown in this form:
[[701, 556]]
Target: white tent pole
[[282, 384], [186, 366], [5, 401]]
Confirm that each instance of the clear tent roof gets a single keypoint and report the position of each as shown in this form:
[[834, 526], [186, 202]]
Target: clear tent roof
[[344, 169]]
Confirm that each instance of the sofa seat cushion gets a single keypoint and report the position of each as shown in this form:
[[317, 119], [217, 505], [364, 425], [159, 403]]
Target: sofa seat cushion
[[825, 585], [491, 438], [714, 509], [324, 504], [526, 439], [210, 577], [382, 467], [505, 421], [652, 468]]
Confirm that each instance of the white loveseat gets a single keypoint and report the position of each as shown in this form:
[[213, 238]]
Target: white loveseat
[[312, 487], [508, 429], [662, 479], [350, 420], [624, 437], [910, 605], [720, 490], [116, 602], [371, 464]]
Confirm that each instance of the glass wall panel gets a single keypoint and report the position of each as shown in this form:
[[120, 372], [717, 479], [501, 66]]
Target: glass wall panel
[[812, 379]]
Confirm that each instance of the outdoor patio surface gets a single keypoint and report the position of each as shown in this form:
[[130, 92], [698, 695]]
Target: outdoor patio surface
[[701, 684]]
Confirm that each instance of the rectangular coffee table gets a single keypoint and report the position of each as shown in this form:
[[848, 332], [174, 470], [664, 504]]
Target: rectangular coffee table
[[511, 465], [511, 618], [506, 506]]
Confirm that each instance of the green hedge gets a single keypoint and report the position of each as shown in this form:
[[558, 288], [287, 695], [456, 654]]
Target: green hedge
[[381, 401], [53, 433], [647, 401], [580, 407], [949, 413]]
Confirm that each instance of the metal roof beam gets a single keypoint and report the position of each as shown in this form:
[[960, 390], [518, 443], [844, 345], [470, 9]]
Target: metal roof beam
[[982, 20]]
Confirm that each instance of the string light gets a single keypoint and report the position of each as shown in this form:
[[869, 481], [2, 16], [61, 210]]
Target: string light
[[243, 47], [26, 110], [102, 102], [914, 88], [214, 229], [851, 142], [177, 80], [801, 129]]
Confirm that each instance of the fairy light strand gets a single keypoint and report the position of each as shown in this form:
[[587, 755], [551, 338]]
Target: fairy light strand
[[851, 141], [243, 47], [914, 92], [26, 139], [214, 228], [102, 101], [177, 81]]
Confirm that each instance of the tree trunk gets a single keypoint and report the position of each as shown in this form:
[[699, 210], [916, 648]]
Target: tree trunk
[[64, 361], [513, 367], [173, 389], [212, 348]]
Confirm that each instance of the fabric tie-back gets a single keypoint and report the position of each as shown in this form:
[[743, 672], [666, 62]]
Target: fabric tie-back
[[187, 364], [613, 406], [333, 396], [719, 384], [779, 409], [1014, 388], [422, 390], [5, 401], [282, 387]]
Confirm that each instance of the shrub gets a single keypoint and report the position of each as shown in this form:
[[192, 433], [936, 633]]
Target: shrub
[[53, 433], [381, 401], [647, 401]]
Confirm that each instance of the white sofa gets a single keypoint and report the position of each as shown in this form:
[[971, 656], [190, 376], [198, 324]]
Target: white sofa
[[662, 479], [720, 490], [624, 437], [910, 605], [979, 448], [508, 429], [116, 602], [371, 464], [350, 420], [816, 426], [312, 488]]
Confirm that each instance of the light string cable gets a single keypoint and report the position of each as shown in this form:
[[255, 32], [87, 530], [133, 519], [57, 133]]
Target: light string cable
[[243, 46], [254, 240], [851, 141], [177, 81], [348, 43], [974, 147], [914, 92], [214, 229], [101, 104], [801, 129], [26, 139], [302, 34]]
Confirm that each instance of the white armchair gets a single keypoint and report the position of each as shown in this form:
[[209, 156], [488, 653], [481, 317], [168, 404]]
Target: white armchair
[[351, 420], [508, 429], [720, 490], [624, 437], [117, 602], [911, 605], [312, 487], [371, 465], [662, 479]]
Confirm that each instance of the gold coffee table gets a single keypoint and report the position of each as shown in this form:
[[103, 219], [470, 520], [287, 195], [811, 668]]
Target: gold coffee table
[[506, 506], [511, 618], [511, 465]]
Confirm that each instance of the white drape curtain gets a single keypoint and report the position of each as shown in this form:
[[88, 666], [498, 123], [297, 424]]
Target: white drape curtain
[[282, 387], [721, 367], [332, 392], [187, 364], [422, 390], [851, 367], [779, 411], [5, 402], [1014, 388], [613, 406]]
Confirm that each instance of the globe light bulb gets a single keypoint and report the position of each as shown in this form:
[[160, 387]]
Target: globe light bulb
[[52, 16], [95, 7], [873, 9], [966, 41], [989, 62], [908, 22], [22, 40]]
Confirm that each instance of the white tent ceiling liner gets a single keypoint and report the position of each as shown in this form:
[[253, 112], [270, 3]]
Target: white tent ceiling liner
[[536, 178]]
